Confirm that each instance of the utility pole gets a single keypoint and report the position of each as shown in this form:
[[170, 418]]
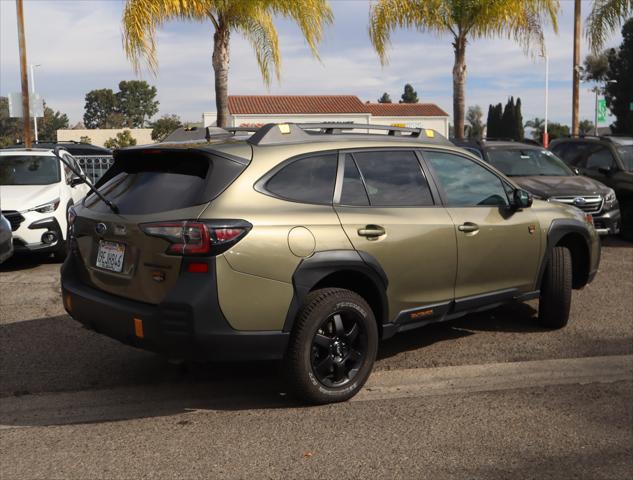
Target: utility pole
[[545, 134], [26, 116], [576, 77], [33, 91]]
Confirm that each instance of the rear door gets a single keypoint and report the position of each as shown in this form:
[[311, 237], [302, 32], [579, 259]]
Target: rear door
[[498, 248], [389, 210], [147, 186]]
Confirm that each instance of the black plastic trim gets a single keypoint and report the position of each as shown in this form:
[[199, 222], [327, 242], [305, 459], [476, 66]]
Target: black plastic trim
[[315, 268]]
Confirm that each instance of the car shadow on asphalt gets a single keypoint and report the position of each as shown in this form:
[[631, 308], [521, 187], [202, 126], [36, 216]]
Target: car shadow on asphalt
[[55, 372], [617, 242], [26, 261]]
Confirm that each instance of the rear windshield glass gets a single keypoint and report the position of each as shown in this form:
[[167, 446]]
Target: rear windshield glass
[[164, 180], [518, 162], [28, 170]]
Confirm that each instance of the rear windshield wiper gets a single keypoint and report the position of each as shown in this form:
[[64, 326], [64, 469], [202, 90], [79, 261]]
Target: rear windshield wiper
[[83, 178]]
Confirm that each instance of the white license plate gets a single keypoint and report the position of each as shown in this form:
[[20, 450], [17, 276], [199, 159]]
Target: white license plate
[[110, 256]]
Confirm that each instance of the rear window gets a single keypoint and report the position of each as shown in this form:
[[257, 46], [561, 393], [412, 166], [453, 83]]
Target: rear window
[[157, 181], [29, 170], [308, 179]]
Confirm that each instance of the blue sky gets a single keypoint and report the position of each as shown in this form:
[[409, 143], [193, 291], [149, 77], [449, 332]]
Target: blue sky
[[78, 44]]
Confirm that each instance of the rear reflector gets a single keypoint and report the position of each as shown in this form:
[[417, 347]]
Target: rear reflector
[[195, 267], [138, 328], [68, 302]]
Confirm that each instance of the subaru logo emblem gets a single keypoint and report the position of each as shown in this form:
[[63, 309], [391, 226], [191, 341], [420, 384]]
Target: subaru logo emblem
[[579, 201], [101, 228]]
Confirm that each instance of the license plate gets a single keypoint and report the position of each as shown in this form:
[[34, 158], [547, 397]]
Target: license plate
[[110, 256]]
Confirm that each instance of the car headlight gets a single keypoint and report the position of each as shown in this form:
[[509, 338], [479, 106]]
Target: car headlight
[[49, 207], [610, 200]]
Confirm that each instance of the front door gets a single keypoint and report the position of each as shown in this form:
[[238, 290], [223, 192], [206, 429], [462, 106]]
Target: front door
[[389, 211], [498, 247]]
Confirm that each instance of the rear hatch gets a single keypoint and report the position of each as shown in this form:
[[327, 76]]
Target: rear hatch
[[156, 190]]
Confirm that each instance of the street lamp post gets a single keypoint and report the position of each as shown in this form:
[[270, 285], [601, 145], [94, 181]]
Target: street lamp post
[[545, 134], [33, 91]]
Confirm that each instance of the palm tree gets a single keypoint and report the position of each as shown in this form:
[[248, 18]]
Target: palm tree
[[521, 20], [538, 126], [251, 18], [606, 16]]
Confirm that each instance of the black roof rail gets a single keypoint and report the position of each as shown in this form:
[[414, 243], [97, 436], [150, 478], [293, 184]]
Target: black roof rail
[[279, 133]]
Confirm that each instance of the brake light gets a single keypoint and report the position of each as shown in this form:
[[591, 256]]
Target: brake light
[[195, 238]]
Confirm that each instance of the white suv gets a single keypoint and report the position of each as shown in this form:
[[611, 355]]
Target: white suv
[[36, 191]]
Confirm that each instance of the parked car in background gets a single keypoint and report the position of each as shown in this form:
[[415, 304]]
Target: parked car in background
[[93, 159], [606, 159], [310, 243], [546, 176], [6, 239], [36, 191]]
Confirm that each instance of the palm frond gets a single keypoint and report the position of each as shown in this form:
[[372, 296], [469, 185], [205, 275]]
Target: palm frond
[[605, 17], [259, 30]]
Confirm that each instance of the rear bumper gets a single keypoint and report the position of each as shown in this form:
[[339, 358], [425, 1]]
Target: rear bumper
[[187, 324], [608, 223]]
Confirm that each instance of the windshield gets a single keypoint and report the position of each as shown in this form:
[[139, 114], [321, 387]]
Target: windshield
[[626, 154], [518, 162], [28, 170]]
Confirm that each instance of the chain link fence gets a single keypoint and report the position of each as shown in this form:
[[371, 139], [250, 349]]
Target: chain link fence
[[94, 165]]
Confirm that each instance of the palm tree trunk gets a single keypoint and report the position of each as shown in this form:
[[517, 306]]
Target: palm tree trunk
[[576, 73], [459, 78], [221, 69]]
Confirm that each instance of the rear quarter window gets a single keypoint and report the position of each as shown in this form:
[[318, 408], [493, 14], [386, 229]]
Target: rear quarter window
[[308, 179]]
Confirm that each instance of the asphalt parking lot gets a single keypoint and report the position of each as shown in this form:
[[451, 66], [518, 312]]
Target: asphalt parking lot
[[490, 395]]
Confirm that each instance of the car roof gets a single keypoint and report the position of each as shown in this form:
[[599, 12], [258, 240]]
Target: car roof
[[30, 151]]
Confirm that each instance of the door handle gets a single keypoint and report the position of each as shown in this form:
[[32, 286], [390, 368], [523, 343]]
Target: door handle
[[371, 231], [468, 227]]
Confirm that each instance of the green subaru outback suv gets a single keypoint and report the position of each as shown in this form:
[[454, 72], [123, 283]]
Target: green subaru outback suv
[[311, 243]]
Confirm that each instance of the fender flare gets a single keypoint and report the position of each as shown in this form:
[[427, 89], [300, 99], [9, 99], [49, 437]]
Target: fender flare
[[321, 264], [557, 230]]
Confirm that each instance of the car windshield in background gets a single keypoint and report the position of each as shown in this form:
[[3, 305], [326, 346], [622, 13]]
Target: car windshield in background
[[626, 154], [518, 162], [28, 170]]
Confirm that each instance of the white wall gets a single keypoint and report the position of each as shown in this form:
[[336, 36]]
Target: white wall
[[440, 124], [98, 136]]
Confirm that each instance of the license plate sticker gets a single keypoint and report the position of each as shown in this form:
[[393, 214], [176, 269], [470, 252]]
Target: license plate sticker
[[110, 256]]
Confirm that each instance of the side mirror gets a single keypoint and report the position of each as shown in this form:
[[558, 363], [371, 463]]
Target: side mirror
[[605, 170], [522, 199], [74, 181]]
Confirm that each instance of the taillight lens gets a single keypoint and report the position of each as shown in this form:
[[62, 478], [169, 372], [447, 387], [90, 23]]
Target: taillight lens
[[196, 238]]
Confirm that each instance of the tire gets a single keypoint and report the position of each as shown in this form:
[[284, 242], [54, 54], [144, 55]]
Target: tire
[[332, 346], [555, 298]]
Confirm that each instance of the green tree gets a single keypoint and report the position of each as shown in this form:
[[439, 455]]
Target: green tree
[[409, 95], [521, 20], [122, 139], [519, 132], [385, 98], [474, 117], [136, 101], [494, 124], [605, 17], [619, 91], [538, 127], [507, 120], [10, 128], [557, 130], [50, 123], [164, 126], [596, 67], [586, 127], [100, 109], [251, 18]]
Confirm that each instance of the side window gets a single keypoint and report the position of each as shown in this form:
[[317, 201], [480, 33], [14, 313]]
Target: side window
[[353, 192], [466, 183], [309, 179], [393, 178], [600, 157]]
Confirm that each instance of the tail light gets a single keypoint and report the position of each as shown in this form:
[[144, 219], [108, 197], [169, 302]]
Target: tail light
[[190, 237]]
